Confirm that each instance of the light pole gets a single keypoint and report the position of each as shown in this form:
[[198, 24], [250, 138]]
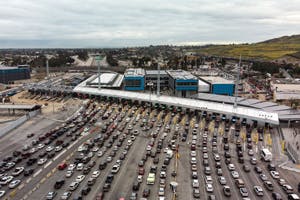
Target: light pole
[[98, 58]]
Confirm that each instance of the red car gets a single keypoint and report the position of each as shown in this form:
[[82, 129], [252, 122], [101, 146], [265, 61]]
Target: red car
[[62, 166], [141, 171]]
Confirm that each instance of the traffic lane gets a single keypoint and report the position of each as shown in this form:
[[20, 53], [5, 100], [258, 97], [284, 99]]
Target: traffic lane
[[292, 178], [54, 163]]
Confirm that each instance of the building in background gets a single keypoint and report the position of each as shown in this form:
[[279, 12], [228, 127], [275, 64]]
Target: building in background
[[219, 85], [152, 76], [288, 94], [203, 87], [134, 79], [182, 83], [10, 74]]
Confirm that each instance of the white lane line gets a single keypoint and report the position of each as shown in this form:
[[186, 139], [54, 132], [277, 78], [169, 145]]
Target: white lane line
[[21, 186], [61, 153], [28, 180], [69, 147], [49, 163], [37, 173]]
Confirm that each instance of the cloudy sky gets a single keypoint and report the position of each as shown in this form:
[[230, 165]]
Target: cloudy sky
[[118, 23]]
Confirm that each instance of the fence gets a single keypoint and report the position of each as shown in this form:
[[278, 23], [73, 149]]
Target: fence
[[292, 153], [18, 122]]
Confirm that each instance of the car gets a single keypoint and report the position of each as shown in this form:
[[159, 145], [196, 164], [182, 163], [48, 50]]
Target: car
[[194, 175], [193, 160], [244, 192], [106, 187], [58, 148], [227, 191], [40, 146], [100, 153], [196, 193], [73, 186], [258, 169], [193, 154], [72, 167], [250, 152], [269, 185], [209, 188], [231, 167], [281, 181], [253, 161], [42, 161], [235, 174], [69, 173], [79, 166], [246, 168], [195, 183], [140, 178], [146, 192], [62, 166], [58, 184], [65, 195], [258, 190], [115, 169], [14, 184], [275, 174], [276, 196], [5, 180], [17, 171], [79, 178], [263, 177], [222, 180], [288, 189], [207, 170], [49, 148], [95, 174], [271, 167], [2, 193], [219, 172], [28, 172], [161, 191], [133, 196], [85, 191], [51, 195], [293, 197]]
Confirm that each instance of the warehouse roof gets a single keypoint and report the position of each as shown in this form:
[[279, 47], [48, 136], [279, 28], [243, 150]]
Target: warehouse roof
[[216, 80], [240, 111], [19, 106], [155, 72], [181, 74], [133, 72]]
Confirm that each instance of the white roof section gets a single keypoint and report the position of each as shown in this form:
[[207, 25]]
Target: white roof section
[[181, 74], [216, 80], [134, 72], [155, 72], [105, 78], [240, 111], [287, 87]]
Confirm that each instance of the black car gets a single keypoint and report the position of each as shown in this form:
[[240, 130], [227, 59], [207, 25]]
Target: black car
[[28, 172], [85, 190], [58, 184], [136, 186]]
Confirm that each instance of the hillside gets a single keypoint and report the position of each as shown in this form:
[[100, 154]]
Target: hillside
[[267, 50]]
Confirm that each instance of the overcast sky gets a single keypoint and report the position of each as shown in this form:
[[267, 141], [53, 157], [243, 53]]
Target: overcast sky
[[111, 23]]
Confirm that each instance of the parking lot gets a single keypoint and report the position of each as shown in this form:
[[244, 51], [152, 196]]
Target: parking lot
[[122, 150]]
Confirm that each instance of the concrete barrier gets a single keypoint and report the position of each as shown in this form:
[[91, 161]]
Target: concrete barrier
[[18, 122]]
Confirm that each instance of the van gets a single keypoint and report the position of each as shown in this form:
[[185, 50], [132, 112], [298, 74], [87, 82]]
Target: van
[[239, 183]]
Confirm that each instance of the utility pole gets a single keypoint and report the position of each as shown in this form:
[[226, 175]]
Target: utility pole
[[237, 82], [98, 58], [47, 68], [158, 79]]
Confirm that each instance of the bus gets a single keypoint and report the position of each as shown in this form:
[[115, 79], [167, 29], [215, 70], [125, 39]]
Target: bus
[[266, 154]]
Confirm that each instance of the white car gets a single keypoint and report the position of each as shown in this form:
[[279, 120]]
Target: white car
[[95, 149], [231, 167], [258, 190], [222, 180], [58, 148], [72, 167], [100, 154], [115, 169], [49, 148], [209, 188], [17, 171], [14, 184], [129, 142], [193, 153], [235, 174], [140, 178], [161, 191], [79, 167], [275, 174], [193, 160], [5, 180], [250, 152], [195, 183], [33, 150], [40, 146], [69, 173], [2, 193], [42, 161], [95, 174], [65, 195], [79, 178], [208, 180]]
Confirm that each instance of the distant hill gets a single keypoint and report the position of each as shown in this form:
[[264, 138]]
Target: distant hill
[[272, 49]]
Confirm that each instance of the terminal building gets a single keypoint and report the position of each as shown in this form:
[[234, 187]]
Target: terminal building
[[182, 83], [219, 85], [152, 77], [11, 74], [134, 79]]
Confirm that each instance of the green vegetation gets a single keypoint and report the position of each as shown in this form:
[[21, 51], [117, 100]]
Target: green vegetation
[[267, 50]]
